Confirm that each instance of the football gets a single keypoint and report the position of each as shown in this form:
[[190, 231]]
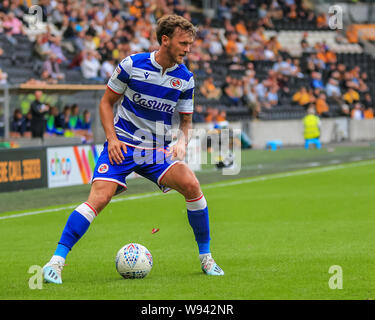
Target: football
[[133, 261]]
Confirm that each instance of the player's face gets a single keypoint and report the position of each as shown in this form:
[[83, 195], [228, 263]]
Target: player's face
[[178, 46]]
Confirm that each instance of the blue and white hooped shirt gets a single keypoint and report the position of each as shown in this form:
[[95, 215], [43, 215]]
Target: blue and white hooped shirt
[[144, 118]]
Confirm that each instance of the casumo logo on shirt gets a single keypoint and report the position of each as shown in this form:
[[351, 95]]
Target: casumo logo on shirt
[[152, 104]]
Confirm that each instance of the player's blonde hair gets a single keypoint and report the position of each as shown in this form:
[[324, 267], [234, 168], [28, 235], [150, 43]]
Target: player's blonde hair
[[166, 25]]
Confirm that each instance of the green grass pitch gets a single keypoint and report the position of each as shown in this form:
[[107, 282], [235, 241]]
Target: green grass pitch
[[275, 236]]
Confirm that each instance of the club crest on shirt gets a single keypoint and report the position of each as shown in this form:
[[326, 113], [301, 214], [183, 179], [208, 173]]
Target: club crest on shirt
[[176, 83], [103, 168]]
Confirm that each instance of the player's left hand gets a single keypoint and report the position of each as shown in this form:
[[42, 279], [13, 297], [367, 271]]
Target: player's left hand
[[178, 151]]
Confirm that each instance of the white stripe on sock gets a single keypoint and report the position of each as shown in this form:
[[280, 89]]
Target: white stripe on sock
[[57, 259], [86, 211], [196, 205]]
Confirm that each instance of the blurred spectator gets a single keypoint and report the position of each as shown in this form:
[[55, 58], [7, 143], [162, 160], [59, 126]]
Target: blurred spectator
[[322, 21], [231, 47], [211, 115], [250, 97], [198, 115], [221, 120], [3, 77], [63, 119], [209, 90], [17, 125], [5, 6], [322, 107], [351, 96], [56, 49], [12, 24], [272, 97], [51, 70], [306, 48], [41, 47], [368, 113], [367, 101], [302, 97], [261, 91], [333, 88], [57, 15], [75, 122], [107, 69], [90, 67], [233, 92], [316, 81], [28, 118], [84, 128], [311, 125], [215, 46], [356, 112], [53, 125], [326, 55], [38, 111]]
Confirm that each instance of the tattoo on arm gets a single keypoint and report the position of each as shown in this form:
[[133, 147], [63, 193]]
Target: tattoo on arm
[[186, 125]]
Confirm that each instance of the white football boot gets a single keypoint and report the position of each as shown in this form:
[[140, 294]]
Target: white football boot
[[210, 267], [52, 272]]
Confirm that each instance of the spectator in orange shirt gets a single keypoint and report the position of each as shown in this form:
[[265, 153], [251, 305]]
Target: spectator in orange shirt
[[231, 48], [322, 21], [330, 56], [321, 105], [211, 115], [274, 45], [209, 90], [352, 34], [302, 97], [368, 113], [222, 116], [351, 96], [293, 12], [241, 28]]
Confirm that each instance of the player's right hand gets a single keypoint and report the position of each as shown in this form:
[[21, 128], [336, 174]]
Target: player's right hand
[[115, 151]]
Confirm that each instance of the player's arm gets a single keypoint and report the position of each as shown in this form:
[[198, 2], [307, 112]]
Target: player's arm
[[185, 107], [179, 149], [116, 87], [115, 146]]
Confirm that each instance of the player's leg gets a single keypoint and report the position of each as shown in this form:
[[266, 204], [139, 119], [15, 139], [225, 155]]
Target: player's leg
[[77, 225], [182, 179]]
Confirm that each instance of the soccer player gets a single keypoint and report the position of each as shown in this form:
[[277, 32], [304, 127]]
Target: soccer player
[[151, 86]]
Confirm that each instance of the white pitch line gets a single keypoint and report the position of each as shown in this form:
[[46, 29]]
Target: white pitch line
[[213, 185]]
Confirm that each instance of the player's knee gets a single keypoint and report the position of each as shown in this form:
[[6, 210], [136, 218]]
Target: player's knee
[[100, 200], [192, 188]]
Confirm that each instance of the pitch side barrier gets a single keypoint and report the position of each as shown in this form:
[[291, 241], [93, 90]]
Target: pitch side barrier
[[41, 167], [54, 166], [24, 168]]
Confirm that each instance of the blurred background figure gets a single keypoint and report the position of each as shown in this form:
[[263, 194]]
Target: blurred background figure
[[17, 125], [311, 124], [38, 112]]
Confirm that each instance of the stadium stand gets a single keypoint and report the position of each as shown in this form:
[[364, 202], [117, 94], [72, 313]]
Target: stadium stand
[[257, 53]]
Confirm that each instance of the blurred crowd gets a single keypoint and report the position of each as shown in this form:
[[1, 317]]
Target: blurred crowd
[[94, 36], [45, 120]]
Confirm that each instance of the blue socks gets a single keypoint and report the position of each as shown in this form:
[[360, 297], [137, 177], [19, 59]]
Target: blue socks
[[76, 226], [197, 212]]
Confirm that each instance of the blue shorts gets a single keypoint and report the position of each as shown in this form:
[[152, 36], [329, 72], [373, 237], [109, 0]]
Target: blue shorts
[[315, 141], [152, 164]]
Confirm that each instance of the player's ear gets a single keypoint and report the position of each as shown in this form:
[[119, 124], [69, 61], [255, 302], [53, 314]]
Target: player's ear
[[165, 40]]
